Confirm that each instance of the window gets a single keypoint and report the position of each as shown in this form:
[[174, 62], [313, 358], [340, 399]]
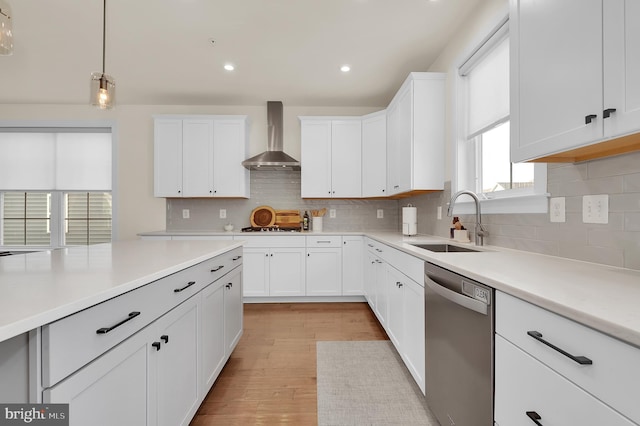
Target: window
[[483, 145], [55, 187]]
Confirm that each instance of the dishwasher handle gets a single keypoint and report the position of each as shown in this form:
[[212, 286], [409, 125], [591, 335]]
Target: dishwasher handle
[[457, 298]]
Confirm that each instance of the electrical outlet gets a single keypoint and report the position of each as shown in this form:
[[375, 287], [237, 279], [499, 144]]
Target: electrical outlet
[[332, 213], [380, 214], [595, 208], [557, 209], [185, 213], [439, 212], [223, 213]]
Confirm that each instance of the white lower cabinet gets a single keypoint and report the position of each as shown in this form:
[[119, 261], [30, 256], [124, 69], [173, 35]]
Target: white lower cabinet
[[352, 265], [565, 372], [274, 271], [177, 371], [160, 374], [528, 392], [398, 303], [324, 271], [113, 390]]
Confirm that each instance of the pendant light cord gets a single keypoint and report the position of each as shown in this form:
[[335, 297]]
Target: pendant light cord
[[104, 32]]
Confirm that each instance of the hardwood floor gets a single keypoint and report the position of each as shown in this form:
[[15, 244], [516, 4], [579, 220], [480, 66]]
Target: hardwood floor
[[270, 378]]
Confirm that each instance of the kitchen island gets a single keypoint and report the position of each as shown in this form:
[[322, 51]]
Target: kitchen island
[[77, 322]]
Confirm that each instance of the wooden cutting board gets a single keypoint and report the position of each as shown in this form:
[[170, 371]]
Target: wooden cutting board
[[263, 216], [288, 218]]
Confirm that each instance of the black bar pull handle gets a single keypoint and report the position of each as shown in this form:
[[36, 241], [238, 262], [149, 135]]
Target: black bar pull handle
[[105, 330], [217, 269], [156, 345], [607, 112], [582, 360], [534, 417], [236, 258], [165, 338], [589, 118], [189, 284]]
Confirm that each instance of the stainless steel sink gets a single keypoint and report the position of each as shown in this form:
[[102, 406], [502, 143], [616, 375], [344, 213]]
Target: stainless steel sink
[[444, 248]]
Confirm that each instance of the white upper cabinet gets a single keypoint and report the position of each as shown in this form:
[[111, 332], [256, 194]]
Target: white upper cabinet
[[575, 77], [200, 156], [374, 154], [331, 151], [415, 135]]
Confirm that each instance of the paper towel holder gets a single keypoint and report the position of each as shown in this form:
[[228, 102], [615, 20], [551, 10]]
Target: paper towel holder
[[409, 220]]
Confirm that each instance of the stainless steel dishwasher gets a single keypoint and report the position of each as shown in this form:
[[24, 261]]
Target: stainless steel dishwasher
[[459, 346]]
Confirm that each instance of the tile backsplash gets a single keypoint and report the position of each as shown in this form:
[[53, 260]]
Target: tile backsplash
[[616, 243], [281, 191]]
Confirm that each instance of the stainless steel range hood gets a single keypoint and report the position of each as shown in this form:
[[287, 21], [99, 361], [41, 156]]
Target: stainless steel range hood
[[274, 158]]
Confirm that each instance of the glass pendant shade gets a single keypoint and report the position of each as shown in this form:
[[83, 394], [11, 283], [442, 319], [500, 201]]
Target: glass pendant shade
[[103, 90], [6, 30]]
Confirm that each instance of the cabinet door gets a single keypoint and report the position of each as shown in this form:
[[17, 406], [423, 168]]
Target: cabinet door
[[197, 158], [381, 292], [399, 142], [287, 272], [177, 364], [232, 310], [621, 66], [115, 385], [352, 266], [374, 156], [324, 271], [346, 158], [230, 178], [315, 146], [556, 75], [395, 284], [370, 270], [167, 156], [212, 327], [413, 343], [255, 268], [523, 384]]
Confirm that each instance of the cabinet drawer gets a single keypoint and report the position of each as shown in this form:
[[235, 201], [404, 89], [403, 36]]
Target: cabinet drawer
[[326, 241], [73, 341], [524, 384], [614, 375], [272, 241], [411, 266]]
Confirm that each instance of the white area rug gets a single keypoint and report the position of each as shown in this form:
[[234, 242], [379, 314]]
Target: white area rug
[[366, 383]]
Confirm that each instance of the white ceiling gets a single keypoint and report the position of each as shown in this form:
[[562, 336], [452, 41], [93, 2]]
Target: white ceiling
[[160, 54]]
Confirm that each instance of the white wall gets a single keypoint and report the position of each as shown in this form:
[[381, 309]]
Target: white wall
[[136, 208]]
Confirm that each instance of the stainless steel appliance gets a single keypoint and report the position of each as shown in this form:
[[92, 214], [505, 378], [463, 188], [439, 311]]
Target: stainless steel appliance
[[459, 326]]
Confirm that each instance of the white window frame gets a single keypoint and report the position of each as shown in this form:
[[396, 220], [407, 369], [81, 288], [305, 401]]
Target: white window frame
[[466, 158], [57, 197]]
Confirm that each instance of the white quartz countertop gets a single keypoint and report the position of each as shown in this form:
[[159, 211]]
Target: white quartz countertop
[[602, 297], [39, 288]]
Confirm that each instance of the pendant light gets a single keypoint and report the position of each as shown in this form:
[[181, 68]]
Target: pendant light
[[6, 30], [103, 86]]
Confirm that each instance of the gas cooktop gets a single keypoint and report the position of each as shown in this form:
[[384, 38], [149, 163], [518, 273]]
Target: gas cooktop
[[269, 229]]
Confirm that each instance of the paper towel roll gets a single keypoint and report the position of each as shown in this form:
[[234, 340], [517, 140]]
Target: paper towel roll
[[409, 220]]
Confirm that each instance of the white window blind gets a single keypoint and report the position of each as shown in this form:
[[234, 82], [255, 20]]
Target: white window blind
[[487, 76], [55, 161]]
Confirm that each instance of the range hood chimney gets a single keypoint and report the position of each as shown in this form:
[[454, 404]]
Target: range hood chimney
[[274, 157]]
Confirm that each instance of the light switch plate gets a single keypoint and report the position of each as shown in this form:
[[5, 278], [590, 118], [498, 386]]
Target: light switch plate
[[223, 213], [595, 208], [439, 212], [557, 209], [185, 213], [380, 214], [332, 213]]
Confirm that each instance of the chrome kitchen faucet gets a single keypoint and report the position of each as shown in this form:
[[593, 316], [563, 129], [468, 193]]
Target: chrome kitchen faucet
[[480, 232]]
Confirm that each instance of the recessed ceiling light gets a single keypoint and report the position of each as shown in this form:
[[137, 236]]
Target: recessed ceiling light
[[229, 67], [345, 68]]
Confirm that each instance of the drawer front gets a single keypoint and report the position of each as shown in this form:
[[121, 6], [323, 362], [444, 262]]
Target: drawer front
[[613, 376], [524, 385], [411, 266], [326, 241], [72, 342], [272, 240]]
